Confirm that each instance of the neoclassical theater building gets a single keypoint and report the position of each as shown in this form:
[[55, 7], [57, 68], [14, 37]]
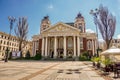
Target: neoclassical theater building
[[64, 40]]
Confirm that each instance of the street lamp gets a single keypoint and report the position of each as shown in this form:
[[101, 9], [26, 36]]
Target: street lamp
[[95, 13], [11, 20]]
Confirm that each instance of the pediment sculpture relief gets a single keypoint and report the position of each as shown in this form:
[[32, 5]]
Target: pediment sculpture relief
[[59, 28]]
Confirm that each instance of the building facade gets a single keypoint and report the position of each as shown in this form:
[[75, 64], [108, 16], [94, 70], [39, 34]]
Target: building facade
[[64, 40], [12, 44], [116, 43]]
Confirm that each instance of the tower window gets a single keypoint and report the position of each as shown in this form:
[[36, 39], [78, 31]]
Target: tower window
[[80, 27]]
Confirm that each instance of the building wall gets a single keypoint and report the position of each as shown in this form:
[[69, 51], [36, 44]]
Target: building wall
[[12, 43], [116, 42]]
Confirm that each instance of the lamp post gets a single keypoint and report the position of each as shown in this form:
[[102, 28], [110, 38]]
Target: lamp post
[[11, 20], [95, 13]]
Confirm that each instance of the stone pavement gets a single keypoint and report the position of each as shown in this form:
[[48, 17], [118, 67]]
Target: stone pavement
[[47, 70]]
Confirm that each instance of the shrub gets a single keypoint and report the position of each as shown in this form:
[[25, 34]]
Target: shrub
[[96, 61], [38, 56], [107, 62], [83, 58], [93, 59], [85, 54]]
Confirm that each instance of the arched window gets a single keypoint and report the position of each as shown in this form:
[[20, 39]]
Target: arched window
[[81, 43], [89, 45]]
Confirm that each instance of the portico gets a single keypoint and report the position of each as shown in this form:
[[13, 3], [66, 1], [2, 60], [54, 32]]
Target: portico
[[60, 46], [61, 41]]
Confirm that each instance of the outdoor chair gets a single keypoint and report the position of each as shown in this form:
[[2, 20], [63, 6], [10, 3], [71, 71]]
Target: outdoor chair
[[116, 70], [98, 65], [106, 70]]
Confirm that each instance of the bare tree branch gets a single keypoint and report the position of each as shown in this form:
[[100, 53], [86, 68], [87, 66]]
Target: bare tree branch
[[107, 24], [21, 32]]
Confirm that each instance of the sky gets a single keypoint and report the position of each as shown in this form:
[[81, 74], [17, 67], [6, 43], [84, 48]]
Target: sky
[[57, 10]]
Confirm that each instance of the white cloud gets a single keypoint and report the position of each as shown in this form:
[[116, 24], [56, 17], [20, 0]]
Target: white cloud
[[101, 40], [118, 36], [50, 6], [89, 31]]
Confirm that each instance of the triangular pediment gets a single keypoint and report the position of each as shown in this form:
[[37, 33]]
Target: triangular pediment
[[61, 27]]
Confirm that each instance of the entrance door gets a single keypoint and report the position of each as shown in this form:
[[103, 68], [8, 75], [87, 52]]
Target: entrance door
[[52, 55], [70, 53], [61, 54]]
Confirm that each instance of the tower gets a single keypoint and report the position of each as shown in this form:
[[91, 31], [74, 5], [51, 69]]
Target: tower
[[80, 23], [45, 23]]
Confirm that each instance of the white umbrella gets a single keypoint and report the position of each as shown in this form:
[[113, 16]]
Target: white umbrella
[[112, 51]]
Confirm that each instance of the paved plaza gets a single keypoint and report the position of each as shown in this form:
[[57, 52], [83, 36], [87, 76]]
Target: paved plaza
[[47, 70]]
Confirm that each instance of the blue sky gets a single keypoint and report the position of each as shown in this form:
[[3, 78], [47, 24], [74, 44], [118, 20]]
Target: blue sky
[[58, 10]]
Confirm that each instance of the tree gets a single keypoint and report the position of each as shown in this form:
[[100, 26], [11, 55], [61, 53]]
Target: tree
[[106, 23], [21, 32], [38, 56]]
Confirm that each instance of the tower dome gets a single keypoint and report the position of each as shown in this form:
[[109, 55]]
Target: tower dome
[[79, 22], [45, 23]]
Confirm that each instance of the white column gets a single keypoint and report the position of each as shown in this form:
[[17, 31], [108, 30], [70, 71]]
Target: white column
[[33, 49], [49, 46], [43, 46], [78, 46], [46, 47], [64, 46], [55, 45], [93, 51], [74, 39], [95, 46]]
